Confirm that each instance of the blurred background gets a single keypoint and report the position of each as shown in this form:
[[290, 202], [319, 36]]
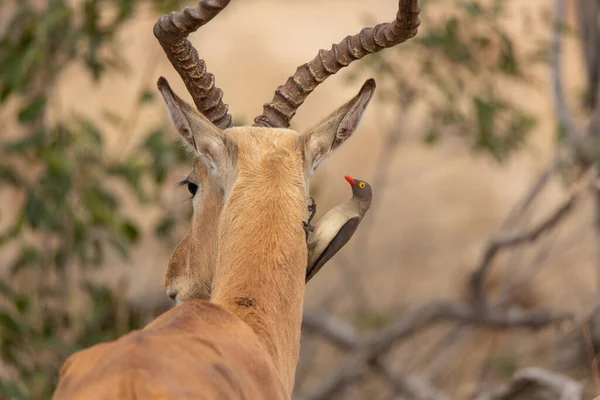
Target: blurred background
[[477, 133]]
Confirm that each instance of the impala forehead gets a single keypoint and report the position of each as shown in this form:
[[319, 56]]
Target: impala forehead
[[263, 139], [260, 131]]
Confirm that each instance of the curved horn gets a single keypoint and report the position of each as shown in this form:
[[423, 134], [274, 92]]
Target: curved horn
[[172, 31], [290, 96]]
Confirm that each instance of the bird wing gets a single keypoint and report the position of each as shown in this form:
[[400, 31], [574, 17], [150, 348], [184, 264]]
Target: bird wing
[[339, 240]]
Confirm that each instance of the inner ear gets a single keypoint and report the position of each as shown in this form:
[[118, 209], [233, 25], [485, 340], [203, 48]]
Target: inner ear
[[334, 130], [187, 120], [354, 115], [215, 147]]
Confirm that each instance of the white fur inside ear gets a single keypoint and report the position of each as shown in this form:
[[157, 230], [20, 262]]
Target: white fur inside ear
[[181, 124], [352, 119]]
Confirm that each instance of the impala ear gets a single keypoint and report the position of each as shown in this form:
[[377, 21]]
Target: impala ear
[[215, 147], [334, 130]]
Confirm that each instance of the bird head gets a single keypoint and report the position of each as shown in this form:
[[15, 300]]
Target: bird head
[[360, 189]]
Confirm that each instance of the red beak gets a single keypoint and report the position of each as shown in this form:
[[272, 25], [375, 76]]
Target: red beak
[[350, 180]]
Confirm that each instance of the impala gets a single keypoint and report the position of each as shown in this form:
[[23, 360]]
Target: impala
[[244, 342]]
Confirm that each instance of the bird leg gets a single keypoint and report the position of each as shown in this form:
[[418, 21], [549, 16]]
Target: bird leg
[[312, 208]]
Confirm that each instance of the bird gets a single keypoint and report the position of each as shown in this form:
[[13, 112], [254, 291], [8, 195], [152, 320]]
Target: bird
[[336, 227]]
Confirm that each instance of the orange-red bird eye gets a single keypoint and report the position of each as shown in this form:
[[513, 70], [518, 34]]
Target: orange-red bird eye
[[361, 185]]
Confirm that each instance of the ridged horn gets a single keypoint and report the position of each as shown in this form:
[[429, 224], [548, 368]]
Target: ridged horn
[[172, 31], [290, 96]]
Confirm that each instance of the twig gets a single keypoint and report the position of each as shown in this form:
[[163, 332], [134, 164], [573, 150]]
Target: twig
[[128, 125], [501, 242], [354, 368], [562, 109], [527, 380], [309, 350], [485, 368], [345, 337], [587, 336], [455, 341], [519, 210], [458, 335]]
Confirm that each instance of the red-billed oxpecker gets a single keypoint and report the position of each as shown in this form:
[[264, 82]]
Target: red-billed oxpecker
[[336, 227]]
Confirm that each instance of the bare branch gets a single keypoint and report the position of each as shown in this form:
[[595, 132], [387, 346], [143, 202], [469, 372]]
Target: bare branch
[[355, 367], [502, 242], [562, 109], [589, 30], [584, 150], [337, 332], [528, 382], [540, 182], [345, 337]]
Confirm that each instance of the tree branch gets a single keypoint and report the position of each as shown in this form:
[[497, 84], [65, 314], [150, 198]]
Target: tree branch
[[526, 382], [501, 242], [355, 366], [563, 112], [344, 336]]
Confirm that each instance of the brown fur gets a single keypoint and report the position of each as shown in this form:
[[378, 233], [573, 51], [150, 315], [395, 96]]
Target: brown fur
[[176, 357], [263, 254], [246, 343], [190, 270]]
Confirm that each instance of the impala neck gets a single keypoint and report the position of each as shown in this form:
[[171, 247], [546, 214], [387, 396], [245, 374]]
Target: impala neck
[[262, 261]]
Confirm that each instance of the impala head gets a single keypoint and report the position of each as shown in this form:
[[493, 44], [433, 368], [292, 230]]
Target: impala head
[[222, 151]]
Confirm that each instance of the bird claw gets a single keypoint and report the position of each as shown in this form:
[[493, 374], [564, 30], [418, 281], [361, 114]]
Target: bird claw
[[306, 226], [312, 208]]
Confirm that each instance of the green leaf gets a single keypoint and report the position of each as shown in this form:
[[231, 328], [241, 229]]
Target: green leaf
[[114, 119], [8, 323], [100, 205], [61, 256], [147, 97], [22, 303], [130, 231], [91, 134], [164, 228], [34, 140], [132, 170], [6, 291], [473, 8], [29, 256], [508, 61], [432, 137], [33, 110], [561, 133], [34, 209], [119, 246], [57, 162], [97, 252], [12, 391], [9, 175]]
